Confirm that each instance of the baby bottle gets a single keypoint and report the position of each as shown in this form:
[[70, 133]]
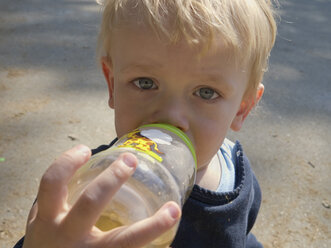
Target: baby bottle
[[166, 172]]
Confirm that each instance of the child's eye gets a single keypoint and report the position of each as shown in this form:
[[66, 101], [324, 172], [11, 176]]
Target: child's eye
[[145, 83], [206, 93]]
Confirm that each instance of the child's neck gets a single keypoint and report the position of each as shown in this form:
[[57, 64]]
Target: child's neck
[[209, 176]]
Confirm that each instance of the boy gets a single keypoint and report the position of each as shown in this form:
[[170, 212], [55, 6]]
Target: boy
[[195, 64]]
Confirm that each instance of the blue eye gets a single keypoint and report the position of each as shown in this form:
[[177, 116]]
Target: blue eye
[[144, 83], [207, 93]]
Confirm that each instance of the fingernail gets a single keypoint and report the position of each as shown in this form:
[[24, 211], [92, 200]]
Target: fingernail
[[174, 212], [84, 150], [129, 160]]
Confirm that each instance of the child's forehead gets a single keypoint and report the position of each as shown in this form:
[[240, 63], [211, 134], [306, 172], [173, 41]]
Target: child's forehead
[[134, 39]]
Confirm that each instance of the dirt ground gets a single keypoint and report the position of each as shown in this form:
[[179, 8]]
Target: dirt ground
[[53, 96]]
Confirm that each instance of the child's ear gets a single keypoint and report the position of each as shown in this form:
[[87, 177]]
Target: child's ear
[[245, 107], [107, 68]]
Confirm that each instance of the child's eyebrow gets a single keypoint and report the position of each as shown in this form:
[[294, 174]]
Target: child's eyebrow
[[141, 67]]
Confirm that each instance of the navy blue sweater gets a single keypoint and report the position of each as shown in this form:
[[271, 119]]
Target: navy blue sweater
[[211, 219]]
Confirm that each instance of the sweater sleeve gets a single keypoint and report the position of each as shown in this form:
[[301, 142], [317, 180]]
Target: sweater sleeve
[[252, 242]]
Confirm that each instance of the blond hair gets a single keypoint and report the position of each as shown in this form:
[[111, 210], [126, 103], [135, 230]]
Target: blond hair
[[247, 27]]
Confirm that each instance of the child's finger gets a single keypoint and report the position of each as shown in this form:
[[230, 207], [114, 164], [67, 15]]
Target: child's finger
[[53, 186], [98, 194], [145, 231]]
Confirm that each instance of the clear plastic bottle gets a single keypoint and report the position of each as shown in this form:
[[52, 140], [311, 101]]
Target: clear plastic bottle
[[166, 172]]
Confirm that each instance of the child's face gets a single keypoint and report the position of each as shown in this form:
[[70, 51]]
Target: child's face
[[151, 81]]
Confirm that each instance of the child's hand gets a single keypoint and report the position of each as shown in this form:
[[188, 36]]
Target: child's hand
[[52, 223]]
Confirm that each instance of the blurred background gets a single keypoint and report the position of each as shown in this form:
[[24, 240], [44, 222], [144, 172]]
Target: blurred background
[[53, 96]]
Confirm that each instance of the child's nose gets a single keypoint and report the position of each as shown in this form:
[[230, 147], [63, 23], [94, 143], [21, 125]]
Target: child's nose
[[171, 111]]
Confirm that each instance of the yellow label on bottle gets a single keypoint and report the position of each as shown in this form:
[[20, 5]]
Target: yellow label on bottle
[[141, 143]]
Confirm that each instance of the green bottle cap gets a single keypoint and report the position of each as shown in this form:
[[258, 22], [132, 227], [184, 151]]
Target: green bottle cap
[[179, 133]]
